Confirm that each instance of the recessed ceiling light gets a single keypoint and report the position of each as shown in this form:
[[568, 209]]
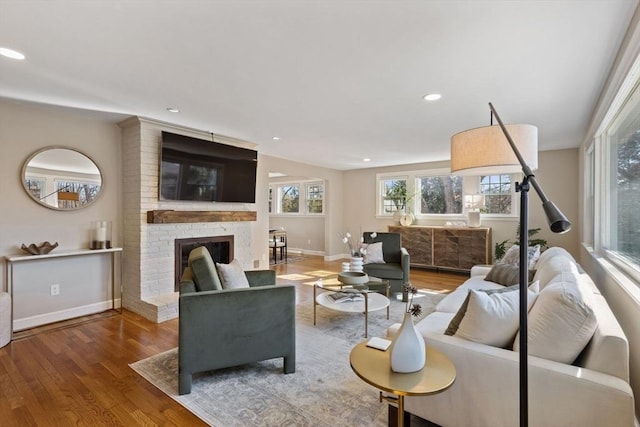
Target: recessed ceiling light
[[173, 110], [432, 97], [10, 53], [366, 159], [276, 138]]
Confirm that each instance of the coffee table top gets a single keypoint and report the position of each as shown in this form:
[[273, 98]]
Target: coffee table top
[[375, 302], [374, 367]]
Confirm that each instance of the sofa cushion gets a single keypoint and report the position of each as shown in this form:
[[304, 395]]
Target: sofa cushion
[[457, 318], [452, 302], [506, 274], [513, 255], [203, 270], [492, 319], [373, 254], [232, 275], [384, 271], [561, 322], [552, 267]]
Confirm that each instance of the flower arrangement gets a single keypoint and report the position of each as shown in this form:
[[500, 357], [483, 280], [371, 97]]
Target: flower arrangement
[[410, 307], [359, 250]]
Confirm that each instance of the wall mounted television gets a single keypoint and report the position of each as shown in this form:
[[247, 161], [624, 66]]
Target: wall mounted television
[[199, 170]]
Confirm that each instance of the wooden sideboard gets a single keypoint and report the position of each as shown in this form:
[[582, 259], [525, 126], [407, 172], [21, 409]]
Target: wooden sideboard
[[455, 248]]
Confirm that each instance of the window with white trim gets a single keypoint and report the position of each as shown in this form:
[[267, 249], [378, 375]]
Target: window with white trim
[[498, 194], [315, 198], [621, 191], [392, 196], [296, 198], [440, 194]]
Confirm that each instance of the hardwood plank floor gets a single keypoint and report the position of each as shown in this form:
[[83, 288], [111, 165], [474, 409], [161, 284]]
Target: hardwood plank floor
[[77, 373]]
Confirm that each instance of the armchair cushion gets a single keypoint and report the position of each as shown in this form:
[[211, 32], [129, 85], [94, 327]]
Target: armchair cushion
[[374, 253], [203, 270], [232, 276]]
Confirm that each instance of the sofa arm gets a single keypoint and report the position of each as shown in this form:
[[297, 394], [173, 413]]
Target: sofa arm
[[480, 270], [487, 386], [405, 263], [261, 277]]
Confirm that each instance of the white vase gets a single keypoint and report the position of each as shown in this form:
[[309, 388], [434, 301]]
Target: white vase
[[356, 264], [408, 353]]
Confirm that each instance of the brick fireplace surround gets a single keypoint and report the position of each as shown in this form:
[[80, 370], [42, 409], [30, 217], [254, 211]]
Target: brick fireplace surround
[[149, 249]]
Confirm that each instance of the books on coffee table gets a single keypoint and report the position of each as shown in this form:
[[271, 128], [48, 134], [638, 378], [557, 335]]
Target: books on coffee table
[[338, 297]]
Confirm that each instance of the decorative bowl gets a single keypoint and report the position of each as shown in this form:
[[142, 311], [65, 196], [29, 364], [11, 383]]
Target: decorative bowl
[[43, 249], [353, 278]]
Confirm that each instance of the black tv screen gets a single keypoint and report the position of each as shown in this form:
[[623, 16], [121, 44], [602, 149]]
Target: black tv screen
[[200, 170]]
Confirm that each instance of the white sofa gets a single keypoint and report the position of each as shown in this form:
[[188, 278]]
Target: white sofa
[[592, 391]]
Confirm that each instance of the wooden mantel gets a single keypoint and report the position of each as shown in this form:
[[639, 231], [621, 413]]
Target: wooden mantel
[[176, 217]]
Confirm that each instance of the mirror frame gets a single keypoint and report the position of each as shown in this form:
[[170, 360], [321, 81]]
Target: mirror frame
[[59, 147]]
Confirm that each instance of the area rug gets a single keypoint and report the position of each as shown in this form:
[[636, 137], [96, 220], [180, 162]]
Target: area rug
[[323, 391]]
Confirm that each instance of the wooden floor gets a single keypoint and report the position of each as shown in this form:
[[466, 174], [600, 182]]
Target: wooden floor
[[77, 373]]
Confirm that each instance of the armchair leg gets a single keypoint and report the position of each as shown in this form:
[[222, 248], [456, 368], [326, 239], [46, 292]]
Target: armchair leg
[[289, 364], [184, 383]]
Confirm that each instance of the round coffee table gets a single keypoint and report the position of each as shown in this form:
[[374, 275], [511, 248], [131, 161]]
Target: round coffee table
[[371, 301]]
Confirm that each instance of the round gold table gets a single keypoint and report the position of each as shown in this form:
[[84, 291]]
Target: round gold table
[[374, 367]]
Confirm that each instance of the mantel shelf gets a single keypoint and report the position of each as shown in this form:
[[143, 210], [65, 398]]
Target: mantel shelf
[[176, 217]]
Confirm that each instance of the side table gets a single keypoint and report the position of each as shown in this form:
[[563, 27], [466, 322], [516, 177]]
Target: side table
[[374, 367]]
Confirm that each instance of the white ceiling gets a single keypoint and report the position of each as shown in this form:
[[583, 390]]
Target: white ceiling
[[337, 81]]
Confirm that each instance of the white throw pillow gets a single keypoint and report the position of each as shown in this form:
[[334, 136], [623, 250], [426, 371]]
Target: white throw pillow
[[374, 254], [493, 319], [232, 275], [561, 322], [513, 256]]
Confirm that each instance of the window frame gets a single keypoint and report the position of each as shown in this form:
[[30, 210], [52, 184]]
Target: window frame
[[622, 107], [275, 199]]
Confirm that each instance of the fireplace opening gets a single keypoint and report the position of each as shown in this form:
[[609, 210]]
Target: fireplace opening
[[220, 248]]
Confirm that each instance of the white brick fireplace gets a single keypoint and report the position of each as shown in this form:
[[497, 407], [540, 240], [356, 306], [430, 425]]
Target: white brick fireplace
[[148, 259]]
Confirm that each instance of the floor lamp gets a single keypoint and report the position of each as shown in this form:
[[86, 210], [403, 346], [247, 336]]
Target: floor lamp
[[491, 150]]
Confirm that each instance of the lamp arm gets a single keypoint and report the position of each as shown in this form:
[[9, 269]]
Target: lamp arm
[[556, 219]]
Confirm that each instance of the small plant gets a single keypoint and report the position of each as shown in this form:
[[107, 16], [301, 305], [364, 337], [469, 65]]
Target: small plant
[[500, 248], [410, 307], [532, 242]]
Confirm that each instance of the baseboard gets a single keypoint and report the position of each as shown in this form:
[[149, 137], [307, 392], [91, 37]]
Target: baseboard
[[57, 316]]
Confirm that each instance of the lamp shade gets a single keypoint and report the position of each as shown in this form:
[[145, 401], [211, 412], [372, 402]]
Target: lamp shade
[[486, 151], [473, 201]]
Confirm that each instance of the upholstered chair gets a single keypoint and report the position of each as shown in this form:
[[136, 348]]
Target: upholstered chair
[[228, 321], [395, 267]]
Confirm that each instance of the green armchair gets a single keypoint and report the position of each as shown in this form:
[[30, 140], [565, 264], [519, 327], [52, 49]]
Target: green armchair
[[396, 260], [220, 328]]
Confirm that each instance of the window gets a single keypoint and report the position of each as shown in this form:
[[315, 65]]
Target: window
[[589, 197], [289, 198], [622, 177], [297, 198], [315, 198], [393, 195], [440, 194], [497, 191]]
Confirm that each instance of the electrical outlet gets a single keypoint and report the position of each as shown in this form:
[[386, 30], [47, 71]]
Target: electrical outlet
[[309, 242], [55, 289]]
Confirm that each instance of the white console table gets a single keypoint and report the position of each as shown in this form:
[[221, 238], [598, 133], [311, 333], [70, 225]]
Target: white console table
[[11, 260]]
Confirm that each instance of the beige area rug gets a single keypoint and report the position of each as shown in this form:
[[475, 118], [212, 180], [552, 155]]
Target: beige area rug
[[323, 391]]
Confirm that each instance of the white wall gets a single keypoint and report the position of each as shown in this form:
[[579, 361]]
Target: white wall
[[25, 128]]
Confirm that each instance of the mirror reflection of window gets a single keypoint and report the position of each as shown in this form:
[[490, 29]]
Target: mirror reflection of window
[[62, 178]]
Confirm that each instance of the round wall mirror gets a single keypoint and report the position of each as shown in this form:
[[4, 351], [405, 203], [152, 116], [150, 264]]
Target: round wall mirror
[[61, 178]]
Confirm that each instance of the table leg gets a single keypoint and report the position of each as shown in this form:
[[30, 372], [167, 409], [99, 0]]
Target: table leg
[[392, 420], [314, 303], [401, 411], [366, 315]]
